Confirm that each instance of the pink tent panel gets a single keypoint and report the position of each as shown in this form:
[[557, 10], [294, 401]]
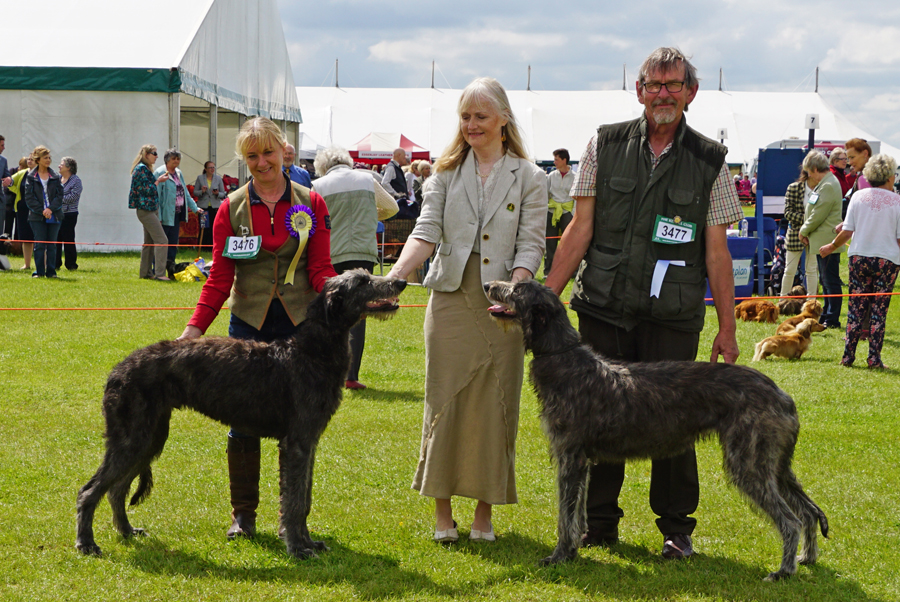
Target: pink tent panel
[[378, 147]]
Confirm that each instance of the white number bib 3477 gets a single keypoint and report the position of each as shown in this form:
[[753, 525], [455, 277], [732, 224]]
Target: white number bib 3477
[[673, 231], [242, 247]]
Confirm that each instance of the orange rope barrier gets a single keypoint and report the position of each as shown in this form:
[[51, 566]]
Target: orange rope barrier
[[401, 306]]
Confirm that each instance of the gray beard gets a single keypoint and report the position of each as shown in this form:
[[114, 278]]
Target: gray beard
[[664, 117]]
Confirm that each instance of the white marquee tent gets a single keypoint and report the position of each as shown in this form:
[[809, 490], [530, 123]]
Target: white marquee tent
[[179, 73], [550, 120]]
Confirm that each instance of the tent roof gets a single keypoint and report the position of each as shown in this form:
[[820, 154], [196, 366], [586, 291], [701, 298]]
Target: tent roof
[[228, 52], [567, 119]]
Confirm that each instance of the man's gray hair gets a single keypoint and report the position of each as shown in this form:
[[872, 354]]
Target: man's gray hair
[[331, 156], [815, 161], [665, 59], [171, 154], [879, 169]]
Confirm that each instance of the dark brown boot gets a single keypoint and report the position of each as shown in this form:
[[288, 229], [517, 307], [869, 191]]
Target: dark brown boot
[[243, 477]]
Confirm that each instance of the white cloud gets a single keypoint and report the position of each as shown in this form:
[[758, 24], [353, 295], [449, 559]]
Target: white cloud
[[867, 47], [882, 102], [476, 47]]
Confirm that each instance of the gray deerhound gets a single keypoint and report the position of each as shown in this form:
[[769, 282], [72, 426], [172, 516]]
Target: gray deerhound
[[286, 390], [594, 410]]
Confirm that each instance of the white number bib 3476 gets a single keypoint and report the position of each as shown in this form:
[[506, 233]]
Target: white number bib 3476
[[671, 232], [242, 247]]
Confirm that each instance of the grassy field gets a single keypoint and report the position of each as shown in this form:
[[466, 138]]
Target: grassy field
[[54, 365]]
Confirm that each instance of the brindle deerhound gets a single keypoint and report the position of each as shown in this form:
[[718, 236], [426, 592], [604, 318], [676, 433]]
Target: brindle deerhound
[[287, 390], [595, 410]]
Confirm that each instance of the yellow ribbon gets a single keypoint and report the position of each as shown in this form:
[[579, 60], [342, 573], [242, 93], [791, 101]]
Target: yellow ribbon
[[301, 224], [559, 209]]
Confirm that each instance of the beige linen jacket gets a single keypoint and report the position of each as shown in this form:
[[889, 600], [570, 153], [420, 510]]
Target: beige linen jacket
[[512, 235], [823, 215]]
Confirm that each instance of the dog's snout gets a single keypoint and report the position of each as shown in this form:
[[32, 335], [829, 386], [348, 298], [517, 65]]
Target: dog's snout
[[487, 287], [401, 284]]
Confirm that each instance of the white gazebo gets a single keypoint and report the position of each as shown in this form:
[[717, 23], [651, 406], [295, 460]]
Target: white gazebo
[[95, 80]]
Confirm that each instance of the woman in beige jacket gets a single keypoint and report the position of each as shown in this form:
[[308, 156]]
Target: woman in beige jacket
[[484, 210]]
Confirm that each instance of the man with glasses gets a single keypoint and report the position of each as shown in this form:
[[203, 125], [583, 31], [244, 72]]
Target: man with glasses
[[654, 201]]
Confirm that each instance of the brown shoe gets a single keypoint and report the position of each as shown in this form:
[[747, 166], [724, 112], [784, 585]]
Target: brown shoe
[[676, 546]]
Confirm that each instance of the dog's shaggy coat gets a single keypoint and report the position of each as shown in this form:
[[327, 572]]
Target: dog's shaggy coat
[[287, 390], [594, 410]]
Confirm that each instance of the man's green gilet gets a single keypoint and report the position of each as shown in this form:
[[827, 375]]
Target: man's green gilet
[[257, 281], [613, 280]]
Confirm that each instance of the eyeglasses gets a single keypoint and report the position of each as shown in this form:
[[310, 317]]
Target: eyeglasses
[[655, 87], [154, 153], [840, 158]]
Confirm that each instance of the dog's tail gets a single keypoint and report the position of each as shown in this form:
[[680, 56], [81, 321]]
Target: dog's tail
[[811, 506], [145, 486]]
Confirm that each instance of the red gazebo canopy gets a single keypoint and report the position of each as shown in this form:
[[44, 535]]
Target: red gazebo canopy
[[378, 148]]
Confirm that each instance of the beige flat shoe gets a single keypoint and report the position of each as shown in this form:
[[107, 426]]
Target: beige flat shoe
[[448, 536], [476, 535]]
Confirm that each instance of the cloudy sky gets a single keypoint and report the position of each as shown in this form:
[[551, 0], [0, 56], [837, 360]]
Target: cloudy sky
[[761, 45]]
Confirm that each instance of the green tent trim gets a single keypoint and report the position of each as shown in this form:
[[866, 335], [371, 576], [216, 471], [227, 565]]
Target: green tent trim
[[102, 79]]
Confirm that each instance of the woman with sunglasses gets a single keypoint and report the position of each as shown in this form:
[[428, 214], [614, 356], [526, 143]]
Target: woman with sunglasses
[[144, 197]]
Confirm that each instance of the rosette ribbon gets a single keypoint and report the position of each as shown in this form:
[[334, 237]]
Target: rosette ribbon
[[301, 224]]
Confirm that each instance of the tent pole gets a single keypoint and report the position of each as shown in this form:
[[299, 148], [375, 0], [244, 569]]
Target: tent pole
[[720, 79], [174, 118], [213, 132], [242, 167], [624, 75], [817, 80], [336, 85], [529, 79], [432, 75]]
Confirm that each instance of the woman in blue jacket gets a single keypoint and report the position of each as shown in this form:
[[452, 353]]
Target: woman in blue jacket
[[174, 202], [42, 192]]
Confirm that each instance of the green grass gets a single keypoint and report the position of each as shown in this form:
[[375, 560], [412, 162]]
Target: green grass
[[54, 365]]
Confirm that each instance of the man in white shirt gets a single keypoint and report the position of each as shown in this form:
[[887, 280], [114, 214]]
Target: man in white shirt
[[560, 204]]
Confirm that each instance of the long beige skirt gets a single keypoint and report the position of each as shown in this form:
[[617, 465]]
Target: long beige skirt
[[473, 382]]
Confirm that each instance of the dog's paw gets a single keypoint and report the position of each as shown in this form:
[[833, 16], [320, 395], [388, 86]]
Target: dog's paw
[[88, 549], [556, 558], [320, 546], [302, 552], [807, 560], [135, 533], [777, 576]]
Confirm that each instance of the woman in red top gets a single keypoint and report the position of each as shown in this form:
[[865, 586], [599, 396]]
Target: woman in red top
[[256, 234]]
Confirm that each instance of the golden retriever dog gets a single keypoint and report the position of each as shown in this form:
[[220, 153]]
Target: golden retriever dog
[[792, 307], [811, 309], [791, 345], [757, 310]]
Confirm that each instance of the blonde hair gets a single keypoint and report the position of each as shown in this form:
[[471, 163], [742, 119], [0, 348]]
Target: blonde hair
[[879, 169], [38, 152], [142, 155], [261, 133], [482, 92]]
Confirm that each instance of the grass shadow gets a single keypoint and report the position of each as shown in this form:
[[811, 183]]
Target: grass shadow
[[372, 576], [628, 572], [372, 394]]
